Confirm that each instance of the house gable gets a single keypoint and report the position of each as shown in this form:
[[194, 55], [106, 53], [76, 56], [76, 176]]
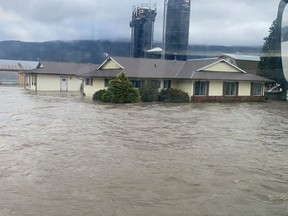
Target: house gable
[[109, 64], [221, 66]]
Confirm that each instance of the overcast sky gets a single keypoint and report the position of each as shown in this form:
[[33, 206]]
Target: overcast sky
[[217, 22]]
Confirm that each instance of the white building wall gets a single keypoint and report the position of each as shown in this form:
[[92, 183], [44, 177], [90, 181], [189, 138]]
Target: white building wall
[[74, 84], [244, 88], [98, 84], [48, 82], [45, 82], [186, 86], [221, 66], [215, 88]]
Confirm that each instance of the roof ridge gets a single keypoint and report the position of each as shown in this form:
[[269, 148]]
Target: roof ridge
[[180, 69]]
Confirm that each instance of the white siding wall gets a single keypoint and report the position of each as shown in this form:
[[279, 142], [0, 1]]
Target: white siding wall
[[222, 67], [98, 84], [74, 83], [244, 88], [110, 65], [52, 83], [216, 88], [186, 86], [48, 82]]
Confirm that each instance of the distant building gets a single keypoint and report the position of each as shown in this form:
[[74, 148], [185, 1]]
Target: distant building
[[10, 71], [176, 29], [142, 29]]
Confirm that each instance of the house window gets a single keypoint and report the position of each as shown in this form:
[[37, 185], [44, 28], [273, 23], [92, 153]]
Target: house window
[[256, 89], [137, 83], [201, 88], [167, 84], [34, 80], [157, 83], [89, 81], [107, 82], [230, 88]]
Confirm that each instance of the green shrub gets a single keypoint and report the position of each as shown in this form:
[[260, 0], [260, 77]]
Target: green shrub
[[149, 91], [173, 95], [99, 95], [120, 90]]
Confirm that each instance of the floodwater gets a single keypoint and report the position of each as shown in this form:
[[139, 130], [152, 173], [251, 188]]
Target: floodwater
[[62, 155]]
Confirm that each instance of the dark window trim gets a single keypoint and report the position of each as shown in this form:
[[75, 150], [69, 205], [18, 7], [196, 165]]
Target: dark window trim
[[167, 84], [253, 86], [236, 86], [207, 85]]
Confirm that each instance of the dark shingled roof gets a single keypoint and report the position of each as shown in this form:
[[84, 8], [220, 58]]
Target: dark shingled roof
[[63, 68], [149, 68], [191, 66], [228, 76], [102, 73]]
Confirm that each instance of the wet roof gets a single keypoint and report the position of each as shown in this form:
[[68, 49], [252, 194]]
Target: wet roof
[[17, 65], [170, 69], [63, 68]]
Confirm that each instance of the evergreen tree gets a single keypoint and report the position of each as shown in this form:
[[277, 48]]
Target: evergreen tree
[[120, 90], [270, 65]]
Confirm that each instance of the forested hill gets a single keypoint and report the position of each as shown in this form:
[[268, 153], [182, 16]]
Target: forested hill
[[94, 51]]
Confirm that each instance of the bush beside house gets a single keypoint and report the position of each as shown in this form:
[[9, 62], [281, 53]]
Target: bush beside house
[[172, 95], [149, 91], [99, 94], [120, 90]]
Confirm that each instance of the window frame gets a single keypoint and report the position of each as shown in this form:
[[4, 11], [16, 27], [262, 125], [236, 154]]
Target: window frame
[[199, 93], [167, 84], [228, 84], [137, 83], [157, 83], [89, 81], [255, 87]]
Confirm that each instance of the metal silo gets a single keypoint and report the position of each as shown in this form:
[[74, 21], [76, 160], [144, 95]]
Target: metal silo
[[142, 29], [176, 29]]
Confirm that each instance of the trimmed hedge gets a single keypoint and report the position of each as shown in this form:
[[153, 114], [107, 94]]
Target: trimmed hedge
[[99, 95], [172, 95]]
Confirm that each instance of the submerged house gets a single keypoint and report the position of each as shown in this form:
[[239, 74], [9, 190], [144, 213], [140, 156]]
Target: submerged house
[[212, 79], [56, 76]]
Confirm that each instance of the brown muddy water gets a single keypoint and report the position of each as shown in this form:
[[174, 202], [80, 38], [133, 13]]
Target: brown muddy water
[[62, 155]]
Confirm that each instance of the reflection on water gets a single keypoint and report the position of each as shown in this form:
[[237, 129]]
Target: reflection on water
[[62, 155]]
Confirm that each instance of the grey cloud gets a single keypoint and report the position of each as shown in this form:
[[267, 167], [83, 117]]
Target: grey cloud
[[227, 22]]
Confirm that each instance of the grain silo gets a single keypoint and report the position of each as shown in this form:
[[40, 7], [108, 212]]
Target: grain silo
[[176, 29], [142, 29]]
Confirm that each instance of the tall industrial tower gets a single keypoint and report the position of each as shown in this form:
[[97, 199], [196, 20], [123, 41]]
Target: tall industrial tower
[[176, 29], [142, 29]]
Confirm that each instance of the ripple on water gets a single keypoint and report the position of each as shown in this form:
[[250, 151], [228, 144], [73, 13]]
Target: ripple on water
[[61, 155]]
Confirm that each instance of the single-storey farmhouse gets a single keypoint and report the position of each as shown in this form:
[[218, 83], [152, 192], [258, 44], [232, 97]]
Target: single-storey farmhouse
[[11, 71], [56, 76], [211, 79]]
